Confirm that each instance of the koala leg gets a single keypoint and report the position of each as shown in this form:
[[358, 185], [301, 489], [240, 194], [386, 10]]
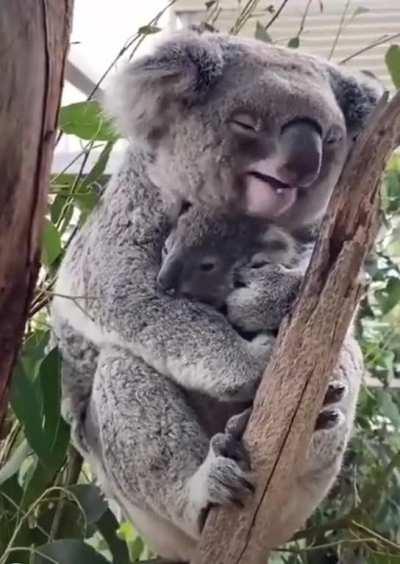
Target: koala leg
[[79, 362], [150, 453]]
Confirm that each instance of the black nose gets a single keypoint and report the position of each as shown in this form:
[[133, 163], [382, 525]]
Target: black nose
[[168, 278], [301, 144]]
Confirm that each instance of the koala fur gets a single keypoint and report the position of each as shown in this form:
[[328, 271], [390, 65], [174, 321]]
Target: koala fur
[[202, 255], [233, 124]]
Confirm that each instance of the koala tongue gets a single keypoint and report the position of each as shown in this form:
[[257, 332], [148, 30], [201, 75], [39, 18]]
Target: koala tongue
[[264, 200]]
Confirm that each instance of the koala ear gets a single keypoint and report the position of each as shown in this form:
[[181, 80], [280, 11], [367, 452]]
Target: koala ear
[[143, 96], [357, 95]]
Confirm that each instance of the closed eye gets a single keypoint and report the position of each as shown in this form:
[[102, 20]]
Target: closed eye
[[244, 123], [207, 266], [259, 264]]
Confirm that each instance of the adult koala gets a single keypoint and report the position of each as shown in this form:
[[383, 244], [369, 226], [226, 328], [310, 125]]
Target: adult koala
[[232, 123]]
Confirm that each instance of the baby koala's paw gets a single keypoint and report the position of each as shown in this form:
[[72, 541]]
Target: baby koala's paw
[[261, 347], [262, 297]]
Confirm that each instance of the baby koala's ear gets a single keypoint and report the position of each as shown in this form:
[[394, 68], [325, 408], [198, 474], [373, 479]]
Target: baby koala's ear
[[179, 71]]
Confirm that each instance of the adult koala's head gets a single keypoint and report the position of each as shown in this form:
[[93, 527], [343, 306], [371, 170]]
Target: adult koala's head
[[238, 123]]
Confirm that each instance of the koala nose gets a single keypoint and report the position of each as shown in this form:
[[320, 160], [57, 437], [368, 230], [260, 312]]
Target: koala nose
[[301, 144], [168, 278]]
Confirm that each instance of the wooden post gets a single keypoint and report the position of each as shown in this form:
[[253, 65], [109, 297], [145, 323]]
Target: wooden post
[[34, 38], [288, 401]]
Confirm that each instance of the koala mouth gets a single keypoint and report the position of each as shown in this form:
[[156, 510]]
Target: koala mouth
[[273, 182], [267, 196]]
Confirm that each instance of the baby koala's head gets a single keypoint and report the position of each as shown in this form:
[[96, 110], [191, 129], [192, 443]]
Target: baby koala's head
[[205, 249]]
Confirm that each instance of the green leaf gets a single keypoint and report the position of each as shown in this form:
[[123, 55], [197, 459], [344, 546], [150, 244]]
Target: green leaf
[[261, 34], [359, 11], [91, 500], [135, 543], [108, 527], [26, 402], [392, 60], [391, 295], [68, 552], [52, 248], [294, 42], [55, 431], [388, 408], [148, 29], [86, 121], [383, 559], [36, 402], [37, 480]]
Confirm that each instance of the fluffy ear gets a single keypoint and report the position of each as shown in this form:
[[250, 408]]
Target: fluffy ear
[[180, 71], [357, 95]]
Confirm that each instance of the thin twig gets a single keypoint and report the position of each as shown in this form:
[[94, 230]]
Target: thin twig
[[276, 15], [376, 43], [339, 30]]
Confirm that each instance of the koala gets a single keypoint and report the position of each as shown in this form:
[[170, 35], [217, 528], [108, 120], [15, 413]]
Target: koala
[[239, 126], [202, 254]]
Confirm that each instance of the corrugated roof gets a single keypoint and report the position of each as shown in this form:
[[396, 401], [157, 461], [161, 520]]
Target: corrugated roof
[[365, 22]]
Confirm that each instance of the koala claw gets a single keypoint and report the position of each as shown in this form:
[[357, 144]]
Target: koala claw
[[228, 479], [224, 477], [336, 392], [236, 425], [329, 419]]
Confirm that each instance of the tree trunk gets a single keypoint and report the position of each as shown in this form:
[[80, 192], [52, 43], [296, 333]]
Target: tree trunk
[[288, 401], [34, 37]]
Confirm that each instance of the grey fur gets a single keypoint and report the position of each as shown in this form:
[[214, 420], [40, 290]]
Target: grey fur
[[145, 373], [204, 251]]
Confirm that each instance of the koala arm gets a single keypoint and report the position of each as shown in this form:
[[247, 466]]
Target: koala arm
[[114, 262], [189, 342]]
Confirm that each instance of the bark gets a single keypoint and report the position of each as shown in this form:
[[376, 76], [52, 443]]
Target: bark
[[34, 37], [292, 390]]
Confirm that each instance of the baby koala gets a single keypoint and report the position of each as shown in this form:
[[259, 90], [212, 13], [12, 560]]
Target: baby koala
[[218, 259]]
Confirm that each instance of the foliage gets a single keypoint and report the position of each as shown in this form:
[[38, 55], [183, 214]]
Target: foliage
[[50, 511]]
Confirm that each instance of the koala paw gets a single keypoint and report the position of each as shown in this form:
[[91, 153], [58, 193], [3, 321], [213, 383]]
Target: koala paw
[[329, 419], [225, 477], [261, 348], [331, 415], [262, 297], [336, 392]]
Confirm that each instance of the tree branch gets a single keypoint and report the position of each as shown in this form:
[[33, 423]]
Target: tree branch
[[34, 36], [288, 401]]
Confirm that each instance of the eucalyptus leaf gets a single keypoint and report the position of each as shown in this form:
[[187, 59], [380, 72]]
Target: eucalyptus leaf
[[87, 121], [262, 34], [392, 59], [294, 42], [149, 29], [52, 248], [27, 403], [68, 551]]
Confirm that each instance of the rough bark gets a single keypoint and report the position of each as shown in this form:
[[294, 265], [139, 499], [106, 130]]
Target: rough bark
[[34, 37], [291, 392]]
